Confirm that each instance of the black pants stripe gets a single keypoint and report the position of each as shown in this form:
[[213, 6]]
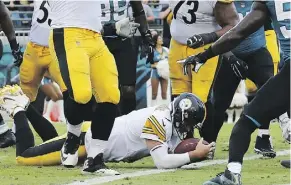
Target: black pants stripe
[[59, 45]]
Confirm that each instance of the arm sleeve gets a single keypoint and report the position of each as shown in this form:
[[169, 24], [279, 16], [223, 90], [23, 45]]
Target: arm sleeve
[[164, 160]]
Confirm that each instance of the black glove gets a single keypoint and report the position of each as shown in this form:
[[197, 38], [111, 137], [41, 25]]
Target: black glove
[[147, 46], [196, 41], [196, 60], [238, 66], [18, 56]]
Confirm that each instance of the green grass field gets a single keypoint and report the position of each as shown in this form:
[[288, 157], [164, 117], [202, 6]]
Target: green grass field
[[255, 172]]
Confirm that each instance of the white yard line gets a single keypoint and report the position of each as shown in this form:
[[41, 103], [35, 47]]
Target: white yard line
[[101, 180]]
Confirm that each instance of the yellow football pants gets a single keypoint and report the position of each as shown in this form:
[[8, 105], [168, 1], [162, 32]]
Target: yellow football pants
[[49, 152], [86, 65], [196, 83], [272, 46], [36, 62]]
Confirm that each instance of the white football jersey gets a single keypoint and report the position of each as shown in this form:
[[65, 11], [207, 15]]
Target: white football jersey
[[114, 10], [192, 17], [40, 24], [76, 14], [127, 139]]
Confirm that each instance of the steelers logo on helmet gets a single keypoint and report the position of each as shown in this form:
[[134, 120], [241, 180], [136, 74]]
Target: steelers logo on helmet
[[185, 104]]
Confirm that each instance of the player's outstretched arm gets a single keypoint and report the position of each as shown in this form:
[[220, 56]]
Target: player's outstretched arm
[[226, 16], [251, 23], [7, 26], [164, 160]]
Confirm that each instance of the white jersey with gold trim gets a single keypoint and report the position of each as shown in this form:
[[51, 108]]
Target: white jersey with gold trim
[[113, 11], [40, 24], [127, 139], [192, 17], [76, 14]]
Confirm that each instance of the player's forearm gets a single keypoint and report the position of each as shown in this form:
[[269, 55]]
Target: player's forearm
[[7, 26], [139, 16], [164, 160], [250, 24]]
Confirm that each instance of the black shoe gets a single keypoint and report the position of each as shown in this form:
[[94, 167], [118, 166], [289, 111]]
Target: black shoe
[[69, 152], [97, 166], [286, 163], [263, 146], [7, 139], [225, 178]]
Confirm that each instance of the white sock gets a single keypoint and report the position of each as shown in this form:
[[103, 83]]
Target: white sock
[[97, 146], [61, 109], [234, 167], [49, 108], [3, 127], [238, 112], [262, 132], [230, 115], [74, 129]]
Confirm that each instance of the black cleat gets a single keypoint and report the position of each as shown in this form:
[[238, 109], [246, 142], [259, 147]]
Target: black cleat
[[69, 152], [97, 166], [264, 146], [7, 139], [286, 163], [225, 178]]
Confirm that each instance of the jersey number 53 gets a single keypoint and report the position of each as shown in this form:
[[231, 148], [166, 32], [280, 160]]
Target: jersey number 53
[[189, 17], [45, 11]]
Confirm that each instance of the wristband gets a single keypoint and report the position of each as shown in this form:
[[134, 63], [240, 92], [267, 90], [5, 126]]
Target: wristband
[[207, 54]]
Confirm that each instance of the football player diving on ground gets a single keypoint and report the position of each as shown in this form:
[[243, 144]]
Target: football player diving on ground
[[154, 131], [271, 100]]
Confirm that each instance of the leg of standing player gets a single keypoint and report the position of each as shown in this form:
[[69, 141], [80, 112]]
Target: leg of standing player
[[126, 60], [75, 71], [220, 96], [32, 69], [107, 96], [261, 69], [259, 112]]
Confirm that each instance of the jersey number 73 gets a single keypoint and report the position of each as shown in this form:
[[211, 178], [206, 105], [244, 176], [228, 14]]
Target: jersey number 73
[[192, 7]]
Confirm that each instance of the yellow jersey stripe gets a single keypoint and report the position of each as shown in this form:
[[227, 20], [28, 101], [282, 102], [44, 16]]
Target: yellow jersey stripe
[[148, 129], [148, 132], [156, 124], [161, 135]]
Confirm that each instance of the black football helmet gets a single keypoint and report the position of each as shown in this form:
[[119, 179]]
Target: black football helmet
[[187, 112]]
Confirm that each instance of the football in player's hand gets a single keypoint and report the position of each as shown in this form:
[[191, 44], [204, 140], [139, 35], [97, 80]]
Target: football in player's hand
[[188, 145]]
